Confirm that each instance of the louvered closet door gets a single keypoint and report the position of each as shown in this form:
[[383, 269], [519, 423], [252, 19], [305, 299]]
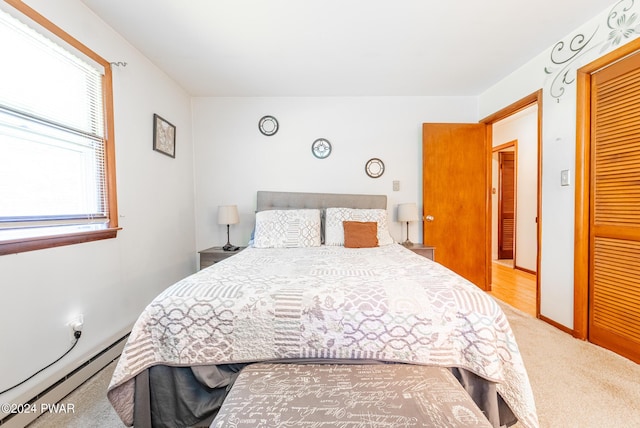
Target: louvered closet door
[[506, 216], [614, 288]]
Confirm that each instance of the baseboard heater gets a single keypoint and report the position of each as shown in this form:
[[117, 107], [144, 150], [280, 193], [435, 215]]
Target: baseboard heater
[[67, 384]]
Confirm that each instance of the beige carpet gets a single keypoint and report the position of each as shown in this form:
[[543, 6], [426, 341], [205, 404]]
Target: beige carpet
[[576, 384]]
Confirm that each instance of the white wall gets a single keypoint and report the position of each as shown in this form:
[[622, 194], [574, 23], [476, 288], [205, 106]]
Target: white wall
[[233, 160], [109, 281], [558, 143], [523, 127]]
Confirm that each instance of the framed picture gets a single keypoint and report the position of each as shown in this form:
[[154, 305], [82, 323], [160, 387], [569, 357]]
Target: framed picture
[[164, 136]]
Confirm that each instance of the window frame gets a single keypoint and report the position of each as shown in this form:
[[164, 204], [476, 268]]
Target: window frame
[[75, 235]]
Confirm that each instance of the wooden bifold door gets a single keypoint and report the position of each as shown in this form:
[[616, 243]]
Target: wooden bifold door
[[614, 229]]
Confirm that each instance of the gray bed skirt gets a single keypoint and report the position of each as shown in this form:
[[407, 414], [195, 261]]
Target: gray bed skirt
[[167, 397]]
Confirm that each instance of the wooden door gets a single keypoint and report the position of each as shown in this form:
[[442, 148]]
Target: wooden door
[[614, 235], [506, 205], [456, 198]]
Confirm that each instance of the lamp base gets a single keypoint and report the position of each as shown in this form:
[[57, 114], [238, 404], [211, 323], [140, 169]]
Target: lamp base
[[407, 243], [228, 246]]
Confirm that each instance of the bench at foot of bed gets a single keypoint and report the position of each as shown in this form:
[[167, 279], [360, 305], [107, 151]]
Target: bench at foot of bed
[[372, 395]]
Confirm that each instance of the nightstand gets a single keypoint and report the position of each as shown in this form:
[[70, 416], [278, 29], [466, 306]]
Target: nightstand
[[214, 255], [424, 250]]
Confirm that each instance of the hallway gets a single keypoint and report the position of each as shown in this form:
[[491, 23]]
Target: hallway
[[515, 287]]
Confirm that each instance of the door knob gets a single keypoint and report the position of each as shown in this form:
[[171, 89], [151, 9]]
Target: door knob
[[429, 218]]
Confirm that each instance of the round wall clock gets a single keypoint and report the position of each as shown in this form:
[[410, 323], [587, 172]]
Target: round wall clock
[[374, 168], [268, 125], [321, 148]]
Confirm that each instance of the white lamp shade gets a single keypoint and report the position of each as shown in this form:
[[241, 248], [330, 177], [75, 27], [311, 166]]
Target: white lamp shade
[[228, 214], [408, 212]]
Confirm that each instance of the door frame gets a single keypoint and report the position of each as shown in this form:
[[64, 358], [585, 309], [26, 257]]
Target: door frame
[[581, 260], [531, 99]]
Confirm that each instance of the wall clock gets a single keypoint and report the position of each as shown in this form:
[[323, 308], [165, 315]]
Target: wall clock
[[374, 168], [268, 125], [321, 148]]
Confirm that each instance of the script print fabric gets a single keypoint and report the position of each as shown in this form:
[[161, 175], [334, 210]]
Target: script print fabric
[[346, 395], [385, 303], [287, 229]]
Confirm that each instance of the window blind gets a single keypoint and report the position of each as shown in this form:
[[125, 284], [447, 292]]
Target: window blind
[[52, 154]]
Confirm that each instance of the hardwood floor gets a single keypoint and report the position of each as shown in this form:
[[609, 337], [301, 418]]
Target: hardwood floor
[[515, 287]]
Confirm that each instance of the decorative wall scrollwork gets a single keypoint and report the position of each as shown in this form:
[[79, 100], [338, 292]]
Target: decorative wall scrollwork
[[622, 25], [564, 55]]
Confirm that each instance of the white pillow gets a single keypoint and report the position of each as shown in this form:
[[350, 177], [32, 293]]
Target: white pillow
[[287, 229], [334, 229]]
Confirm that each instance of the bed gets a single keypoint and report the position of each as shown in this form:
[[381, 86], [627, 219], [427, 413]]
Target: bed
[[300, 293]]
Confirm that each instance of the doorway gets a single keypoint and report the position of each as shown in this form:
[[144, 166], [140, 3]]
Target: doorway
[[442, 173], [515, 203]]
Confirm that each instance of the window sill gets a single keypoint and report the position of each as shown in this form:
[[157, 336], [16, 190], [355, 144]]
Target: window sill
[[21, 245]]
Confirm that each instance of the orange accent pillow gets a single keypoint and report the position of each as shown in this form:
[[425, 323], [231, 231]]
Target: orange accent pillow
[[360, 234]]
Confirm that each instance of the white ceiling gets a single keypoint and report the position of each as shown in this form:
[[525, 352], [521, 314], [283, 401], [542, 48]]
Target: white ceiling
[[342, 47]]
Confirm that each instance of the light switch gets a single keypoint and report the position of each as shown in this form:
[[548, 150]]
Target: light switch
[[396, 185], [565, 178]]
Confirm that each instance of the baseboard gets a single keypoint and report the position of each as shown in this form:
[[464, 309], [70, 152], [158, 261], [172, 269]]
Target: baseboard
[[556, 325], [66, 385], [532, 272]]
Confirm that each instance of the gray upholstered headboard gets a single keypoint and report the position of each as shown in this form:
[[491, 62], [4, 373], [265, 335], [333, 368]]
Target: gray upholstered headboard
[[282, 200]]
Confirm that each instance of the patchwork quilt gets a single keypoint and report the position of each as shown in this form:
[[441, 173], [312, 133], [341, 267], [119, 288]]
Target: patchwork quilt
[[328, 302]]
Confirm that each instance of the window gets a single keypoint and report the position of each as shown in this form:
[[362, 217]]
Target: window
[[57, 175]]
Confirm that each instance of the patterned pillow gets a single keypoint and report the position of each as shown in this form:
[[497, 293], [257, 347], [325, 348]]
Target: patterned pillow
[[334, 229], [287, 229]]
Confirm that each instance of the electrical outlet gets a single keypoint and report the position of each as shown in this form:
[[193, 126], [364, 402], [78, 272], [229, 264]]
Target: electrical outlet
[[396, 185], [76, 323]]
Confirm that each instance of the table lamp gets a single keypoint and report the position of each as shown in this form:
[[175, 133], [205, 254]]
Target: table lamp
[[407, 213], [228, 214]]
